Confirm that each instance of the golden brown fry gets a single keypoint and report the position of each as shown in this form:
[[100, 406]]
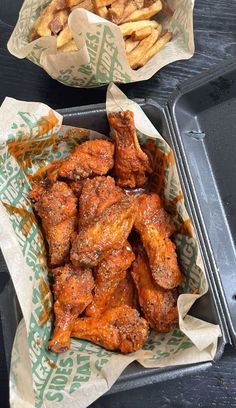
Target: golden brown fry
[[135, 56], [86, 4], [129, 28], [102, 12], [70, 46], [144, 13], [73, 3], [141, 34], [64, 36], [130, 44], [121, 9], [120, 328], [58, 21], [41, 26], [165, 38], [102, 3]]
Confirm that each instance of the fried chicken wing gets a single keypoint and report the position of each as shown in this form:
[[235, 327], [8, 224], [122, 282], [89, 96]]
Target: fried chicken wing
[[132, 166], [72, 294], [94, 157], [97, 195], [158, 305], [107, 232], [124, 294], [110, 272], [155, 227], [56, 204], [120, 328]]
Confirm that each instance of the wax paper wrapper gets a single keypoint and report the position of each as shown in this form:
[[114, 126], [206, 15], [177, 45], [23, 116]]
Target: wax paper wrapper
[[101, 58], [31, 136]]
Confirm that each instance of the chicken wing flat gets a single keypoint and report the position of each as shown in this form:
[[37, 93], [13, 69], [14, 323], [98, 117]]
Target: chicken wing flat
[[158, 305], [56, 204], [120, 328], [124, 294], [132, 166], [155, 226], [97, 195], [110, 272], [72, 294], [109, 231], [94, 157]]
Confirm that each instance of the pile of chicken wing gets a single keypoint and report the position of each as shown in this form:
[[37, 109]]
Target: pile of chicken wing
[[114, 265]]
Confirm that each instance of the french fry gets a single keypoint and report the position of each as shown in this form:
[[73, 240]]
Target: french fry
[[102, 12], [70, 46], [144, 13], [102, 3], [163, 40], [73, 3], [139, 52], [41, 25], [64, 36], [121, 9], [130, 28], [86, 4], [58, 21], [142, 33], [130, 45]]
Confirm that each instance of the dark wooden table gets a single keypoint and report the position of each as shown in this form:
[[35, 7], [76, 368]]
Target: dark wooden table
[[215, 39]]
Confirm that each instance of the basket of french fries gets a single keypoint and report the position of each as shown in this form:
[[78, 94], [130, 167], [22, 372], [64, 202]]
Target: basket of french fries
[[89, 43]]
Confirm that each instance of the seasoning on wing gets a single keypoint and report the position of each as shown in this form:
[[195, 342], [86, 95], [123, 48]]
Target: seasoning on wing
[[158, 305], [97, 195], [120, 328], [132, 166], [72, 294], [94, 157], [56, 204], [107, 232], [155, 227], [124, 294], [110, 272]]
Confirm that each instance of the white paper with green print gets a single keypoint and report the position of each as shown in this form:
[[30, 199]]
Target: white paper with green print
[[101, 58], [31, 136]]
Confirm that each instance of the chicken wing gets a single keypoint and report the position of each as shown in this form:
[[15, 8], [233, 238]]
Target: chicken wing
[[124, 294], [155, 226], [110, 272], [72, 294], [97, 195], [94, 157], [56, 204], [132, 166], [158, 305], [107, 232], [120, 328]]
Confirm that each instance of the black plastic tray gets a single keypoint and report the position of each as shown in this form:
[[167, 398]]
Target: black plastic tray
[[189, 115]]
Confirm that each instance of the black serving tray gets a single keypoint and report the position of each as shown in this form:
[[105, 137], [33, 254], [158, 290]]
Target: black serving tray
[[198, 125]]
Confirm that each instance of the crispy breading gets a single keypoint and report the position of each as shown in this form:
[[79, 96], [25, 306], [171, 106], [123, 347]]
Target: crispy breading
[[120, 328], [72, 293]]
